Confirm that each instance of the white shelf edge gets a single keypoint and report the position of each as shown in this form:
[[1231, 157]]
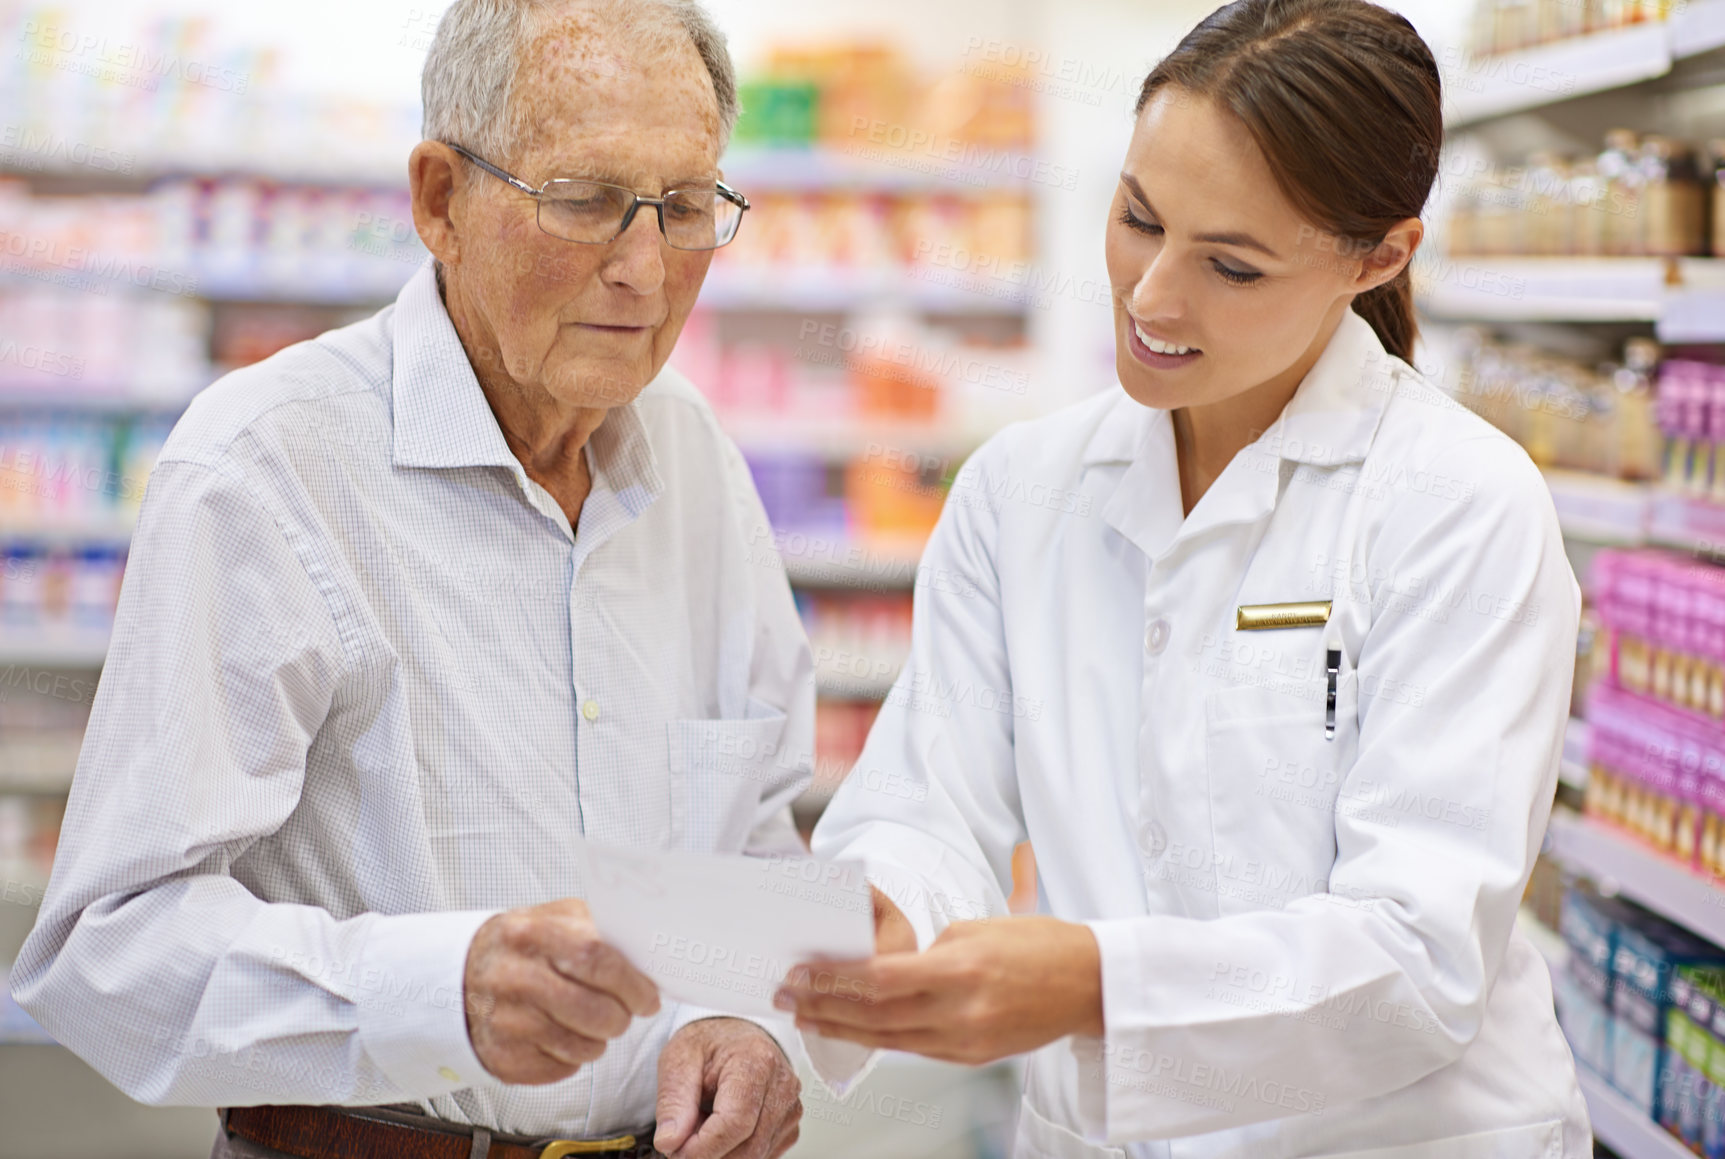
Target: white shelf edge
[[933, 440], [1600, 510], [813, 288], [110, 530], [1661, 885], [72, 648], [823, 166], [1516, 288], [14, 397], [1620, 1125], [1699, 27], [836, 686], [1483, 88], [1573, 769], [881, 570]]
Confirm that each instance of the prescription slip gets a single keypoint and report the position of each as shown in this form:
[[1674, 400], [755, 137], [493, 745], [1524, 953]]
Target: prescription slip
[[722, 931]]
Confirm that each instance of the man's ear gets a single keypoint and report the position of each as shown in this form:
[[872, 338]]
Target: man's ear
[[1391, 256], [434, 177]]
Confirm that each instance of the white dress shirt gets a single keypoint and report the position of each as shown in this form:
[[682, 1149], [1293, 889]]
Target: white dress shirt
[[1307, 943], [365, 685]]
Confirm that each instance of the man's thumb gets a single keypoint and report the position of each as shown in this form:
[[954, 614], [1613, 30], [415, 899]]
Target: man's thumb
[[680, 1070]]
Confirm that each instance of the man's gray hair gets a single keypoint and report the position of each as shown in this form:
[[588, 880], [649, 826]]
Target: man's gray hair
[[470, 70]]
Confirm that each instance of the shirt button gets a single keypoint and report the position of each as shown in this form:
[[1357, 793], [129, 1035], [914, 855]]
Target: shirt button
[[1156, 638], [590, 710], [445, 1073]]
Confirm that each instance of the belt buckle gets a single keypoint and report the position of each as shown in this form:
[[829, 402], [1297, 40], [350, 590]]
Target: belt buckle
[[558, 1148]]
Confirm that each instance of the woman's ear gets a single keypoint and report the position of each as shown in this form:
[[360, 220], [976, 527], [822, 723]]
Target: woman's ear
[[1391, 256]]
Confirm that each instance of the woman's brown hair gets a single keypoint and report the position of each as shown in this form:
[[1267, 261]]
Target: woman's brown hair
[[1345, 102]]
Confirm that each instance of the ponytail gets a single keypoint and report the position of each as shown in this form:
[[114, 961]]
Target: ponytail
[[1390, 310]]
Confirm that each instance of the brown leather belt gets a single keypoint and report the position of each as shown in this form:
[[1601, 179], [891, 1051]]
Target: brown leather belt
[[403, 1131]]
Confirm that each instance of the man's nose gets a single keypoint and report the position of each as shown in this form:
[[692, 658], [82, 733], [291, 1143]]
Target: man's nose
[[636, 258]]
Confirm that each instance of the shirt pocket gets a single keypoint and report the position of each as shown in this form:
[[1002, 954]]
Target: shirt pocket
[[719, 771], [1273, 779]]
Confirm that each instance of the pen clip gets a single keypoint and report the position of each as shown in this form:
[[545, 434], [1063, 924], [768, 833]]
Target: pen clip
[[1333, 672]]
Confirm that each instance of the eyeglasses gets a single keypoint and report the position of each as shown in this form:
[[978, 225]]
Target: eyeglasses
[[594, 212]]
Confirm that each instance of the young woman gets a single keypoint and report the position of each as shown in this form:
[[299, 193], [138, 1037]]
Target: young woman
[[1268, 655]]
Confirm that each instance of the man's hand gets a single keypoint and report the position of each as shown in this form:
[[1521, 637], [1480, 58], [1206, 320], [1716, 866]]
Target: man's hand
[[984, 990], [736, 1069], [544, 993]]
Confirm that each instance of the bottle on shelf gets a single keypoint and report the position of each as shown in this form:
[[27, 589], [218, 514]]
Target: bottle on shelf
[[1640, 196], [1672, 199], [1713, 177], [1623, 186]]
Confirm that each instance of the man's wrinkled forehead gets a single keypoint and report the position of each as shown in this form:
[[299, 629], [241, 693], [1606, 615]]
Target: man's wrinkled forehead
[[585, 67]]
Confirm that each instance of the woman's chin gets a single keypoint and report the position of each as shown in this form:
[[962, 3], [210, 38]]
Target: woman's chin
[[1147, 388]]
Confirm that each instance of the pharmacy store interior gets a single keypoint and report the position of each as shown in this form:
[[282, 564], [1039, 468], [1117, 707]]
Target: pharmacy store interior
[[187, 188]]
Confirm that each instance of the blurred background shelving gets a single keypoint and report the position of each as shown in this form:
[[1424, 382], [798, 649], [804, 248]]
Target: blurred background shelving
[[923, 266], [1573, 295]]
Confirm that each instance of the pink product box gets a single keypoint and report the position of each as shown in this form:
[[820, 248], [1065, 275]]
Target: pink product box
[[1664, 599], [1691, 400]]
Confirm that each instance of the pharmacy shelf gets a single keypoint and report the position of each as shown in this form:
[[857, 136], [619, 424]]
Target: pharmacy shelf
[[1573, 770], [867, 167], [814, 289], [58, 645], [121, 401], [355, 293], [1614, 513], [114, 529], [38, 761], [1480, 88], [1601, 510], [904, 443], [1684, 297], [1620, 1125], [1614, 860], [843, 686], [1691, 525], [811, 562]]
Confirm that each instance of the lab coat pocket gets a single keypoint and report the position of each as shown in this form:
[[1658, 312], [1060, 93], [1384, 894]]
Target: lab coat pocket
[[1273, 779], [719, 770], [1532, 1141], [1041, 1138]]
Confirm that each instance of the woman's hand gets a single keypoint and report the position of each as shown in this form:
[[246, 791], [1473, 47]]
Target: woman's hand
[[985, 990]]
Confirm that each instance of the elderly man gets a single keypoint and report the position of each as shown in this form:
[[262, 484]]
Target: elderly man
[[413, 605]]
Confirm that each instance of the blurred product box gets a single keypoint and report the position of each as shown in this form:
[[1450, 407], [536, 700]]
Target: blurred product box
[[1645, 959], [1691, 415]]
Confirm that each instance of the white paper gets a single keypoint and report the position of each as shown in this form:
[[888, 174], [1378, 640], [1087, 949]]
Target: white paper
[[722, 931]]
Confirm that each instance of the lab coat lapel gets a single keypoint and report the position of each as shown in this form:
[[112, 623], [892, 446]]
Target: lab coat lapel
[[1145, 505]]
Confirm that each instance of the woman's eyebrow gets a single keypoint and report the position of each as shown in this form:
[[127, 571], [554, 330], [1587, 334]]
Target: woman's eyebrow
[[1242, 240]]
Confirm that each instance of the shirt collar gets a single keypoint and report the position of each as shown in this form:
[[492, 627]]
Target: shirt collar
[[1334, 415], [443, 420], [1331, 419]]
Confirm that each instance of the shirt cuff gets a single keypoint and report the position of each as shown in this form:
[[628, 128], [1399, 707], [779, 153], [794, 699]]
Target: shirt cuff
[[412, 1016], [1122, 980]]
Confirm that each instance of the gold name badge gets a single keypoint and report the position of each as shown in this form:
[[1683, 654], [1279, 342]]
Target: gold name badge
[[1264, 617]]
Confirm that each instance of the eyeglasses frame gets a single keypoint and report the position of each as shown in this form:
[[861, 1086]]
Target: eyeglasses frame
[[658, 203]]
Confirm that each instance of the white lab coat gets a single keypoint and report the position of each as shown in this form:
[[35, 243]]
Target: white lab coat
[[1308, 944]]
